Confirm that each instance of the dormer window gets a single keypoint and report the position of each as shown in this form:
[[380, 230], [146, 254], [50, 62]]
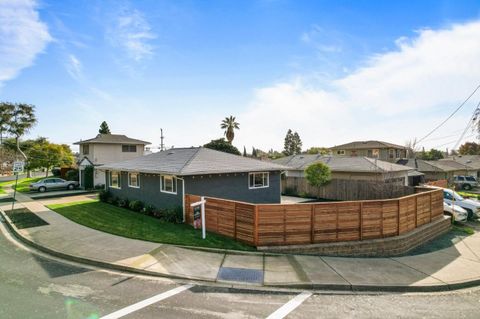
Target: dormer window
[[85, 149], [129, 148]]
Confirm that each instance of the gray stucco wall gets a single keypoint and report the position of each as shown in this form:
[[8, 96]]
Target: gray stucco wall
[[233, 186], [149, 191]]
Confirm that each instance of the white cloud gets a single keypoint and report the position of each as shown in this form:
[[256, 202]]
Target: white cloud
[[22, 37], [384, 99], [133, 34], [74, 67]]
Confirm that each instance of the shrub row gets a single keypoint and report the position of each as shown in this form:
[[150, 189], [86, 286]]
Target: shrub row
[[171, 215]]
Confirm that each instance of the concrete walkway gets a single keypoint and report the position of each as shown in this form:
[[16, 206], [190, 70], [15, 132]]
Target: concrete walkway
[[450, 268]]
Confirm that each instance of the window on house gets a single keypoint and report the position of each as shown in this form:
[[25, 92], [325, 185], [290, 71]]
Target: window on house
[[129, 148], [398, 153], [391, 153], [86, 149], [114, 179], [341, 152], [258, 180], [133, 180], [369, 153], [168, 184]]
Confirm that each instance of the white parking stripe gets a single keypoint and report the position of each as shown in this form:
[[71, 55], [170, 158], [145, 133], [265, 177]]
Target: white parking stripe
[[290, 306], [147, 302]]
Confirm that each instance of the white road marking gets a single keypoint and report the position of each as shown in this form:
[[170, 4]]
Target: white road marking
[[147, 302], [290, 306]]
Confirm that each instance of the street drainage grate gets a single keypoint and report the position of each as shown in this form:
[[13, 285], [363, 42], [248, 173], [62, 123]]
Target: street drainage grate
[[240, 274]]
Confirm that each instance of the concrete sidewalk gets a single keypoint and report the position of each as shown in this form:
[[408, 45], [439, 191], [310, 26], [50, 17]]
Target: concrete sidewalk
[[450, 268]]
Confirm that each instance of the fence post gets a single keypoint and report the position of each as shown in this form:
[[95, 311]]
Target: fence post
[[255, 221], [361, 221], [235, 220], [312, 223], [416, 209], [430, 207], [398, 217], [381, 220], [336, 214]]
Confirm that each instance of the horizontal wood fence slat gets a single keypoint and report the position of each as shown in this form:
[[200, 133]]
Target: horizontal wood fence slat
[[345, 189], [319, 222]]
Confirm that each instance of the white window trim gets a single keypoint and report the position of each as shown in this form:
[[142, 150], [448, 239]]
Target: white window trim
[[173, 181], [118, 179], [258, 187], [138, 180]]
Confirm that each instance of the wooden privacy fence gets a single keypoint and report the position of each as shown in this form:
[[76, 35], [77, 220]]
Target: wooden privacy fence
[[343, 189], [310, 223]]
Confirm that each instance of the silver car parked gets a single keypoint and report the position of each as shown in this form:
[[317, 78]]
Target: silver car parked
[[52, 184]]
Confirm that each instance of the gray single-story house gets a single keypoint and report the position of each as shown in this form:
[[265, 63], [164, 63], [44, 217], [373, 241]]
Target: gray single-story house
[[161, 179], [438, 170]]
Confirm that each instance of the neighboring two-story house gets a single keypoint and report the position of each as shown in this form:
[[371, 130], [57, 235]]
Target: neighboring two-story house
[[105, 149], [373, 149]]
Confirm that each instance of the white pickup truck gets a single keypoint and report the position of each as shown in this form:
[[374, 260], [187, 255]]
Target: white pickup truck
[[471, 206], [458, 213]]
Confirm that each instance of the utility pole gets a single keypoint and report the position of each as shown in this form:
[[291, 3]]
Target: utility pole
[[162, 146]]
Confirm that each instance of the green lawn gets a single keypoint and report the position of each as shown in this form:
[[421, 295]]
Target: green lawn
[[123, 222], [23, 183], [468, 195], [22, 186]]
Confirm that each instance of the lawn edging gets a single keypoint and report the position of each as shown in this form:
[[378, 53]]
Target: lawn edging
[[125, 223], [310, 286], [89, 261]]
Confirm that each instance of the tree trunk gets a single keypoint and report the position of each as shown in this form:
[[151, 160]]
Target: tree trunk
[[19, 150], [230, 135], [29, 173], [1, 154], [46, 171]]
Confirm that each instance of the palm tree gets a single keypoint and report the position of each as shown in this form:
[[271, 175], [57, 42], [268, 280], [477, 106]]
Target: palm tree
[[229, 125], [23, 119]]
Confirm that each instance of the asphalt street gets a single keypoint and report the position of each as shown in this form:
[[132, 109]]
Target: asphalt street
[[33, 285]]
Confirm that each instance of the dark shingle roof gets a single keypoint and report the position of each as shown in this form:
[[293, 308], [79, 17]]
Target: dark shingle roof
[[193, 161], [470, 160], [357, 145], [341, 163], [434, 166], [112, 139]]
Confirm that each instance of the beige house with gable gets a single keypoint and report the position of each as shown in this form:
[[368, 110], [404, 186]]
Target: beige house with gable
[[373, 149], [106, 149]]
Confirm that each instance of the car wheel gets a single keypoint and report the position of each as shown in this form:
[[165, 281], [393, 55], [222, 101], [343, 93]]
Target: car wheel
[[470, 213], [42, 189], [71, 186], [467, 187]]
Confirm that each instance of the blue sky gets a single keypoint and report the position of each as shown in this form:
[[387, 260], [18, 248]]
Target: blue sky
[[334, 71]]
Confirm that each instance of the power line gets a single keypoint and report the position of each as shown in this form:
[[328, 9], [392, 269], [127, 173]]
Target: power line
[[455, 133], [470, 123], [451, 115]]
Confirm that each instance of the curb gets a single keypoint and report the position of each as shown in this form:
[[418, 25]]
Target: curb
[[298, 286], [92, 262]]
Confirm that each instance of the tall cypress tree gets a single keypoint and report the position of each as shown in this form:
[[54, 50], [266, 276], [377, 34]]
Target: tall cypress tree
[[104, 129]]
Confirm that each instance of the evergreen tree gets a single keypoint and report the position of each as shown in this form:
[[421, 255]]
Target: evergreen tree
[[254, 152], [244, 151], [292, 144], [104, 129]]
